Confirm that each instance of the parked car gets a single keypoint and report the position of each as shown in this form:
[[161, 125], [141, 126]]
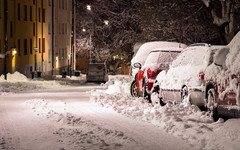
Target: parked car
[[157, 60], [97, 72], [184, 81], [141, 56], [222, 91]]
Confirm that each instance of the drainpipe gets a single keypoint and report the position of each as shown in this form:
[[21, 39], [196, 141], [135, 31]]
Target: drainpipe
[[5, 36], [42, 36], [52, 37], [72, 39]]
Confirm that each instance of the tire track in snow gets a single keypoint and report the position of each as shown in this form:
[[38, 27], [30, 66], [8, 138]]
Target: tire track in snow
[[76, 132]]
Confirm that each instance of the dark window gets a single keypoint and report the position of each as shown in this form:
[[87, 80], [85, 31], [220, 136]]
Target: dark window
[[43, 47], [25, 12], [25, 46], [39, 41], [30, 13], [11, 29], [59, 3], [43, 15], [0, 9], [19, 18], [34, 29], [49, 2], [66, 4], [0, 46], [39, 14], [31, 47], [62, 4], [19, 47], [63, 28], [33, 2]]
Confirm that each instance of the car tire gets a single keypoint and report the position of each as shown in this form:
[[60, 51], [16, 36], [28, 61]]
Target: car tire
[[145, 94], [133, 89], [210, 104]]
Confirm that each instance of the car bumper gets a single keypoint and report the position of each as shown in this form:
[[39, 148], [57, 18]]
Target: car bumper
[[196, 96]]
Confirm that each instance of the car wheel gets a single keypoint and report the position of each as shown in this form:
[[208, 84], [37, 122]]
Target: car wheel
[[210, 104], [145, 94], [134, 92]]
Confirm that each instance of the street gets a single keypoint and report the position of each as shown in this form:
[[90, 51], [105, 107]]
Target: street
[[64, 118]]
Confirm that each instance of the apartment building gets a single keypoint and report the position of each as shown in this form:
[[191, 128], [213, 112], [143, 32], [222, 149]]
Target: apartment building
[[38, 36], [61, 38]]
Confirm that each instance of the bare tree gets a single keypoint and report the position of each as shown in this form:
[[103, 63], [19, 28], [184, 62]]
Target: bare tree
[[224, 13]]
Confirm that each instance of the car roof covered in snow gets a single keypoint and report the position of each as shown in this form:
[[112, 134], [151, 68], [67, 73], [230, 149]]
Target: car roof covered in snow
[[146, 48]]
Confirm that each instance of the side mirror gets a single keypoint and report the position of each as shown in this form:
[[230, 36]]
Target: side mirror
[[137, 65], [220, 57]]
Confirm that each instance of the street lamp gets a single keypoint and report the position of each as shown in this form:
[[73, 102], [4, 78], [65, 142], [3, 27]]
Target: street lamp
[[92, 35], [106, 22], [89, 7]]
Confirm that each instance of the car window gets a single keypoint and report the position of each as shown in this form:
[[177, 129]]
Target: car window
[[194, 56], [158, 57]]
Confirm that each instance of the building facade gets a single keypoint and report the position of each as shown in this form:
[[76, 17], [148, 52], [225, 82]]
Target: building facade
[[38, 36]]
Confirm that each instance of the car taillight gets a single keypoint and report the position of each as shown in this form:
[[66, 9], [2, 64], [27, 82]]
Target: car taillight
[[148, 73], [201, 75], [153, 74]]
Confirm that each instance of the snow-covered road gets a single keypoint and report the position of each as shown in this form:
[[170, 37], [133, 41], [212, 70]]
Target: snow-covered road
[[65, 119]]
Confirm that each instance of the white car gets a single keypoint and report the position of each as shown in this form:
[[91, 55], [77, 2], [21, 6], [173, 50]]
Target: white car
[[184, 81]]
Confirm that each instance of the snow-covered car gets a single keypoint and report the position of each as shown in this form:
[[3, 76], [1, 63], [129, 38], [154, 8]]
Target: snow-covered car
[[141, 56], [184, 81], [157, 60], [223, 82]]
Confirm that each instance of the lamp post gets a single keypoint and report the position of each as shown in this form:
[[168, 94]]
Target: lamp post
[[92, 35], [90, 52]]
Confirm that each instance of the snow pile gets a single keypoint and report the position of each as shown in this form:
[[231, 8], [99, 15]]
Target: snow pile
[[196, 127], [15, 77], [226, 137], [189, 122], [118, 84], [17, 82]]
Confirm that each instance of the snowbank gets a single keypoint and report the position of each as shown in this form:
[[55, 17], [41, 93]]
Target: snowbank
[[17, 82], [118, 84], [186, 121]]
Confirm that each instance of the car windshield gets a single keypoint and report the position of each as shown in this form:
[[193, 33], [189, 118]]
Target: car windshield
[[194, 56], [158, 57]]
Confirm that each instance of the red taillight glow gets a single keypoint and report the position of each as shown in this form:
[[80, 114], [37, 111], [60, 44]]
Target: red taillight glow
[[148, 73], [153, 74], [201, 75]]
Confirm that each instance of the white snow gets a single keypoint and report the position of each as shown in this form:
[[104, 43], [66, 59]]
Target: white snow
[[146, 48], [64, 120]]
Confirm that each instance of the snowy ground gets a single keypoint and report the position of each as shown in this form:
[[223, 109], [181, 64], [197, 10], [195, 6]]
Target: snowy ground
[[71, 114]]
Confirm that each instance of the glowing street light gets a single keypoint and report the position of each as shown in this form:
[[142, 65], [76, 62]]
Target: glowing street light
[[106, 22], [89, 7], [84, 30]]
